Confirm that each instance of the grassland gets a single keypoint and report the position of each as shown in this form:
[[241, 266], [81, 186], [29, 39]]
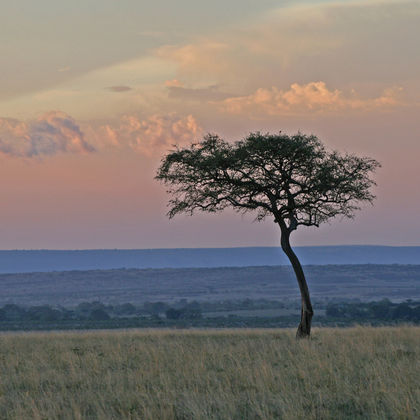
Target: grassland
[[355, 373]]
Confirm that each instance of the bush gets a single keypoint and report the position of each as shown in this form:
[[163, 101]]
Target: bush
[[173, 313], [99, 315]]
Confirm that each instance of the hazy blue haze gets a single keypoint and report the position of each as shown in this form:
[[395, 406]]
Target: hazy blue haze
[[53, 260]]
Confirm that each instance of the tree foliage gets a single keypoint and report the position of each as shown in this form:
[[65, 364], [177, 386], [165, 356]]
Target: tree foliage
[[293, 178]]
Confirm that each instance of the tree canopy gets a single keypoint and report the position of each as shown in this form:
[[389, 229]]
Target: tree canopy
[[293, 178]]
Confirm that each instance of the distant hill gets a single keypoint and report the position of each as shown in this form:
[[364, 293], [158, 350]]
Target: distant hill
[[50, 260], [365, 282]]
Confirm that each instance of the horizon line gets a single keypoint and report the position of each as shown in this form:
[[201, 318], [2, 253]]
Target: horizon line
[[207, 248]]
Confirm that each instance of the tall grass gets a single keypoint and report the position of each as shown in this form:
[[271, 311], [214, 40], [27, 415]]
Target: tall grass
[[357, 373]]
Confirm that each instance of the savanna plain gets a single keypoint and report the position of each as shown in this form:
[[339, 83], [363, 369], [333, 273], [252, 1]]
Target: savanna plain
[[347, 373]]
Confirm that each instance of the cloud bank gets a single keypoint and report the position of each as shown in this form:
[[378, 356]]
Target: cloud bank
[[306, 98], [153, 134], [56, 132], [52, 133]]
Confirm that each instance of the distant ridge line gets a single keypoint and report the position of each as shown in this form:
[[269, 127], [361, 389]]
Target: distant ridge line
[[24, 261]]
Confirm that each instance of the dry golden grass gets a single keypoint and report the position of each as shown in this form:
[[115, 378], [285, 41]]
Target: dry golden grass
[[357, 373]]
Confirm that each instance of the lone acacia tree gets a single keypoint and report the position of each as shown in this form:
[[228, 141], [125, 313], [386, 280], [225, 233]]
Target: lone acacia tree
[[292, 178]]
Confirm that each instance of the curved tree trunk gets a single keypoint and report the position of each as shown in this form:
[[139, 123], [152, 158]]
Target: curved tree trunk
[[304, 329]]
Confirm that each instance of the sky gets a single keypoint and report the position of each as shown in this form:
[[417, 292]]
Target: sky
[[94, 93]]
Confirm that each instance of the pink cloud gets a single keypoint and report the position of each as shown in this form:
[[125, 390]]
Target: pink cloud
[[56, 132], [173, 83], [52, 133], [306, 98], [153, 134]]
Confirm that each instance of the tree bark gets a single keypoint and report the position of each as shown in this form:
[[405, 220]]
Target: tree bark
[[304, 329]]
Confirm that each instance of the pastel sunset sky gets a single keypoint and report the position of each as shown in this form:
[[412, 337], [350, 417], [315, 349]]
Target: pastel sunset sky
[[94, 92]]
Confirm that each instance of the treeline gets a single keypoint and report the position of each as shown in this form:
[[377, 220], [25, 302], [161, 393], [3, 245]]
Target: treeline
[[221, 314], [383, 310], [97, 311], [180, 314]]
